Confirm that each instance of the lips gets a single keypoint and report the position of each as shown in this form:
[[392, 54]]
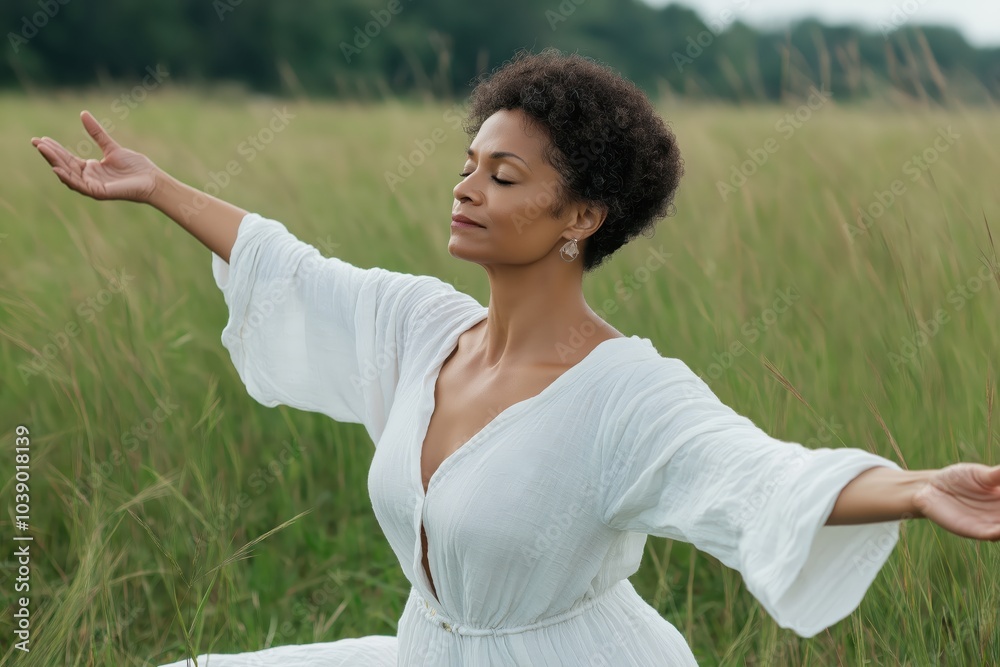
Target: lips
[[462, 218]]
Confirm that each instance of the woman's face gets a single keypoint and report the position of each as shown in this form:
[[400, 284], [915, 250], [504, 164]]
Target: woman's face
[[510, 190]]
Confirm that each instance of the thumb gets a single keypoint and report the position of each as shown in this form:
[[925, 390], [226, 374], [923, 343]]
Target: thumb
[[100, 135]]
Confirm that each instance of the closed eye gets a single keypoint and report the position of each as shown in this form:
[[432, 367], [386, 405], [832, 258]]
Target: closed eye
[[500, 181]]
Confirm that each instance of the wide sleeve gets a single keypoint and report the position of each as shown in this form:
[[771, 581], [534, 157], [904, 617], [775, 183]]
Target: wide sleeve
[[678, 463], [318, 333]]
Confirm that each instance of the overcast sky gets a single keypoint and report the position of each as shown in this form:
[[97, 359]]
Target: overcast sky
[[978, 20]]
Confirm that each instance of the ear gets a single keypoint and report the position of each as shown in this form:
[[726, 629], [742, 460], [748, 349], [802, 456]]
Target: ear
[[589, 218]]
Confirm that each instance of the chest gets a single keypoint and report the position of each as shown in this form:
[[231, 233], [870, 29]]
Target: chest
[[465, 402]]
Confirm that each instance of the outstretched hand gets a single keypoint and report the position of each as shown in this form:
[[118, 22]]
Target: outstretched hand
[[963, 498], [121, 174]]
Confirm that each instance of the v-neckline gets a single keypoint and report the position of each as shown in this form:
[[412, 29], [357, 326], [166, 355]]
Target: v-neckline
[[430, 403]]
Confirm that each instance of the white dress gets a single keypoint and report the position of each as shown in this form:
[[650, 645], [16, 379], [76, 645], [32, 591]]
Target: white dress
[[535, 524]]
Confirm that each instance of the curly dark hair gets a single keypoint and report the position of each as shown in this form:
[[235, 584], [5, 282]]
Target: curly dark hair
[[607, 142]]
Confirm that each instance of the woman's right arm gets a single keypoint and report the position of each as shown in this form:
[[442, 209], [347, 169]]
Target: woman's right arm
[[131, 176]]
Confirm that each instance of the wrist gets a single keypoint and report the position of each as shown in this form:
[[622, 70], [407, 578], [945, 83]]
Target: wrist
[[162, 183], [916, 482]]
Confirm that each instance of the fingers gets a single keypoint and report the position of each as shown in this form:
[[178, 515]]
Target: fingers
[[46, 151], [51, 150], [57, 156], [65, 165], [71, 180], [100, 135], [993, 476]]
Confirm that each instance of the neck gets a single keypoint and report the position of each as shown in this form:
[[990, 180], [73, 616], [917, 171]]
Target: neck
[[538, 316]]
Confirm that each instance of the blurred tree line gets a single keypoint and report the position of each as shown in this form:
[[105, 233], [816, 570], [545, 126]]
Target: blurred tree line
[[373, 48]]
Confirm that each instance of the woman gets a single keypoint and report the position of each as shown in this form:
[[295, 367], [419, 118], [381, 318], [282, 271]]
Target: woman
[[547, 445]]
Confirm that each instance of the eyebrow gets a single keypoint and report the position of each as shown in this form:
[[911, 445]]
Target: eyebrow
[[498, 155]]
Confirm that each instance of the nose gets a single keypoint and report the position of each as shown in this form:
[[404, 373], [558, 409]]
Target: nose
[[466, 191]]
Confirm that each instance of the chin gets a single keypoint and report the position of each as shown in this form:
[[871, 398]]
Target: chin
[[457, 253]]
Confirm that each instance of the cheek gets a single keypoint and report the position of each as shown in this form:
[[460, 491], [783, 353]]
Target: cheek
[[527, 219]]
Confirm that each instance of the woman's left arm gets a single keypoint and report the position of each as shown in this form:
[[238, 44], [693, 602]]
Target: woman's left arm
[[963, 498]]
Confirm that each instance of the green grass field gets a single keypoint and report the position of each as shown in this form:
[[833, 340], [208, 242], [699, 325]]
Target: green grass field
[[152, 469]]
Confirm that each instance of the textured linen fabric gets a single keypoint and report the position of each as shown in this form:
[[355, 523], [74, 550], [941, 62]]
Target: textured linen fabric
[[535, 523]]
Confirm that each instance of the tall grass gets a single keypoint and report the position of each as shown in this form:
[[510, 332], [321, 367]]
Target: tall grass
[[139, 543]]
